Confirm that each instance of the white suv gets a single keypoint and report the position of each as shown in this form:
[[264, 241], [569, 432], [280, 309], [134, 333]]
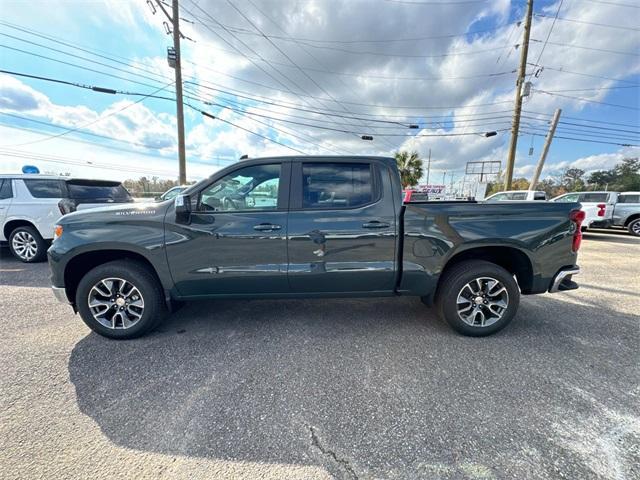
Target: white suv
[[30, 204]]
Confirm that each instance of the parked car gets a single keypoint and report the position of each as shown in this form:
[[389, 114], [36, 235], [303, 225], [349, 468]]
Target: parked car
[[516, 195], [597, 206], [30, 205], [626, 212], [173, 192], [338, 228]]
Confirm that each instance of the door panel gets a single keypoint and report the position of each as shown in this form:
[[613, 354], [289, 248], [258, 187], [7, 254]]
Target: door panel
[[235, 243], [342, 238], [6, 197]]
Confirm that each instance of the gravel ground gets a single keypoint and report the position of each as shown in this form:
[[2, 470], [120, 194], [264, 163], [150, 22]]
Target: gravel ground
[[309, 389]]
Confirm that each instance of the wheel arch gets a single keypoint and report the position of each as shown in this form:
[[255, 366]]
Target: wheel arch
[[631, 218], [512, 259], [81, 264], [11, 225]]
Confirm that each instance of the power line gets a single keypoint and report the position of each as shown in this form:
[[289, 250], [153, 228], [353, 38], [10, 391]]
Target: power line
[[617, 4], [553, 24], [583, 140], [596, 89], [436, 3], [213, 117], [99, 119], [581, 47], [244, 31], [77, 162], [587, 100], [573, 20], [582, 119], [563, 70], [300, 69]]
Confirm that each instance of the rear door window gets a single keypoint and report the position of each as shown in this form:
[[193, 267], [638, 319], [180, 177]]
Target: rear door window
[[571, 197], [97, 191], [5, 189], [518, 196], [336, 185], [45, 188], [594, 197], [629, 199], [497, 197]]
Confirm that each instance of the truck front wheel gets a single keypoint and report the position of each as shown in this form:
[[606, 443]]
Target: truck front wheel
[[120, 299], [477, 298]]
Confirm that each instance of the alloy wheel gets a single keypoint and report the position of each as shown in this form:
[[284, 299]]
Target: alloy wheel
[[116, 303], [482, 302], [24, 245]]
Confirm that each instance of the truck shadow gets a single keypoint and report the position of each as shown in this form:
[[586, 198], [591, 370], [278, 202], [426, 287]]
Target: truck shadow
[[375, 379]]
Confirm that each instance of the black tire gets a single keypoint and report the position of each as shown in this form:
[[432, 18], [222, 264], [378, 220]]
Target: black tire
[[26, 233], [456, 278], [634, 227], [138, 275]]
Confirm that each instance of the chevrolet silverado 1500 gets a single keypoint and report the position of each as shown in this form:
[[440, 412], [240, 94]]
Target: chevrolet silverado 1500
[[311, 227]]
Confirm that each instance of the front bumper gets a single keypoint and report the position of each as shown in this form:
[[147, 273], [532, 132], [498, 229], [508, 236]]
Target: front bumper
[[61, 294], [562, 281]]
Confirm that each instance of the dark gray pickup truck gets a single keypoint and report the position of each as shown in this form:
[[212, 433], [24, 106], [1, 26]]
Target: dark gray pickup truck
[[311, 227]]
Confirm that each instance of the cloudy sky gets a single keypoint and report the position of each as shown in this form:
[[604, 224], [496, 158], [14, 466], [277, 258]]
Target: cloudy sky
[[313, 76]]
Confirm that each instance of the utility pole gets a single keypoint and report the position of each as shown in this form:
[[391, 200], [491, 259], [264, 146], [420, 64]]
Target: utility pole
[[428, 168], [522, 70], [174, 18], [545, 149], [182, 162]]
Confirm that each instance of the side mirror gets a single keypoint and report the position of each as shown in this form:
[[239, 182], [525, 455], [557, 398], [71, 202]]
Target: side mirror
[[182, 205]]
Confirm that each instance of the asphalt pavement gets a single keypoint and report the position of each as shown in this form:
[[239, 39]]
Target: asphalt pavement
[[310, 389]]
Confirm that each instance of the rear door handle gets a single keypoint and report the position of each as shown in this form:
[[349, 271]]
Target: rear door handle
[[375, 224], [266, 227]]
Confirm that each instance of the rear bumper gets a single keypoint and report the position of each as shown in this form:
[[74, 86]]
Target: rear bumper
[[61, 295], [600, 224], [562, 281]]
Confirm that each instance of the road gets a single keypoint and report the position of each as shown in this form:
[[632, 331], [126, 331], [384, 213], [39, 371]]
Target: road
[[311, 389]]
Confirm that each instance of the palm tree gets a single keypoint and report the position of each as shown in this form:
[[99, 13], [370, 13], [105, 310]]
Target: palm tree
[[410, 167]]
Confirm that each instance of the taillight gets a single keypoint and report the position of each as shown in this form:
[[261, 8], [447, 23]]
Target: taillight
[[577, 217], [601, 208]]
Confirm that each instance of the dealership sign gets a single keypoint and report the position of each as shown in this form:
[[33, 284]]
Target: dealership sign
[[431, 189]]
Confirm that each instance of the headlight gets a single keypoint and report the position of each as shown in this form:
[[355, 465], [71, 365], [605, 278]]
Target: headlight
[[57, 231]]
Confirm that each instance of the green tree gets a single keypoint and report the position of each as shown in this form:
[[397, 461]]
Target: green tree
[[625, 176], [572, 179], [410, 167]]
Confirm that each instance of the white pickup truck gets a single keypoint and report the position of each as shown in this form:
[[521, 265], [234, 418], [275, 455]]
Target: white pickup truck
[[597, 206], [30, 204]]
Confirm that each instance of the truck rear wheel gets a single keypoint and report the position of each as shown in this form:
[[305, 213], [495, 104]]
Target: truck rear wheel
[[634, 227], [121, 300], [477, 298]]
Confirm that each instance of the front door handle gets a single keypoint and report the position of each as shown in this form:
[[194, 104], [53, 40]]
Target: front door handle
[[266, 227], [375, 224]]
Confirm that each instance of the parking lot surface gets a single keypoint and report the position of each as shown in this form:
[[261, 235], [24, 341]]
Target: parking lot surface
[[306, 389]]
